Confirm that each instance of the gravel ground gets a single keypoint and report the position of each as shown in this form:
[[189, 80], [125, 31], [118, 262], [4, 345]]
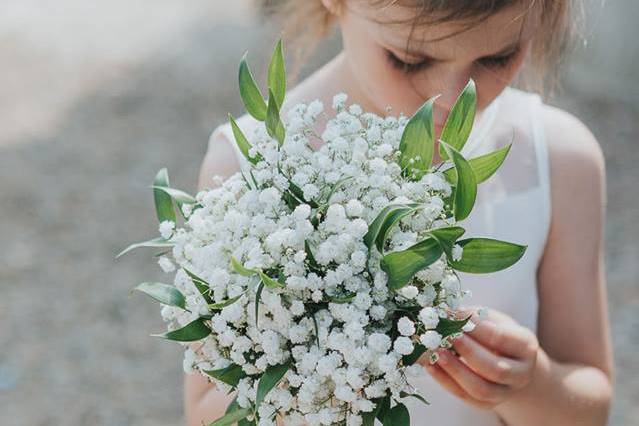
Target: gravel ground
[[88, 119]]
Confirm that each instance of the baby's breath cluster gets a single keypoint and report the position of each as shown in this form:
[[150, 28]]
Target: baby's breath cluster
[[310, 282], [331, 317]]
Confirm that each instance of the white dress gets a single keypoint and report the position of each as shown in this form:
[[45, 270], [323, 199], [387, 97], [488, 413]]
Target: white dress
[[513, 205]]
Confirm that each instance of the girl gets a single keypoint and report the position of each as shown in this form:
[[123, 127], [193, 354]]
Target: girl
[[542, 355]]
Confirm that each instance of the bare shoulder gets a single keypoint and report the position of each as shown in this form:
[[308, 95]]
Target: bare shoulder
[[574, 151], [219, 159]]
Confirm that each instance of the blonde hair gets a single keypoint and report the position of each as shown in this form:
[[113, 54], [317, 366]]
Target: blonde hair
[[306, 22]]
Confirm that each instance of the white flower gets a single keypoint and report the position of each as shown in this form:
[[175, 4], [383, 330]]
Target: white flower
[[431, 339], [457, 252], [405, 326], [429, 317], [166, 228], [339, 100], [403, 345], [166, 264], [409, 291]]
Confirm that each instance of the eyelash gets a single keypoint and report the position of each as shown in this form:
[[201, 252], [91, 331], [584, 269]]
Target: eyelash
[[493, 62]]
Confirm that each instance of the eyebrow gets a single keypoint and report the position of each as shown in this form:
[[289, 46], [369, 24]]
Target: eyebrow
[[504, 51]]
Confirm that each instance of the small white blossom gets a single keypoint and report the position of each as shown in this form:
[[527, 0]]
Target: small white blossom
[[431, 339]]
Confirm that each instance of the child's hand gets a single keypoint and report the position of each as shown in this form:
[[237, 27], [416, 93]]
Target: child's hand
[[498, 358]]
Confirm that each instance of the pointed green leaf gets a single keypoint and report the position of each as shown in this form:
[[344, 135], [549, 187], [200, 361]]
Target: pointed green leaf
[[446, 326], [230, 375], [414, 356], [242, 143], [417, 141], [258, 297], [485, 255], [466, 188], [195, 330], [176, 194], [231, 418], [446, 237], [414, 395], [163, 293], [459, 122], [484, 166], [383, 407], [250, 93], [223, 304], [397, 416], [400, 266], [277, 74], [163, 202], [268, 281], [310, 257], [240, 269], [234, 406], [384, 221], [269, 380], [155, 242], [202, 286], [299, 194], [274, 125], [342, 299]]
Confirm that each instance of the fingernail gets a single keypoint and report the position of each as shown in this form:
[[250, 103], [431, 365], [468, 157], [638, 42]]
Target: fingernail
[[443, 357]]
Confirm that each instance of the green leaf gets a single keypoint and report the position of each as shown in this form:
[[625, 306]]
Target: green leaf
[[230, 375], [155, 242], [466, 188], [268, 281], [446, 237], [484, 166], [234, 406], [485, 255], [382, 408], [384, 221], [418, 141], [310, 257], [269, 380], [240, 269], [414, 356], [232, 417], [195, 330], [298, 193], [397, 416], [250, 93], [274, 125], [163, 202], [163, 293], [258, 297], [342, 299], [176, 194], [414, 395], [242, 143], [277, 74], [446, 326], [459, 122], [223, 304], [402, 265], [369, 416], [202, 286]]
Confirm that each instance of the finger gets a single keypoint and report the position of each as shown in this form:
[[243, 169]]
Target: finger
[[511, 340], [446, 381], [489, 365], [476, 386]]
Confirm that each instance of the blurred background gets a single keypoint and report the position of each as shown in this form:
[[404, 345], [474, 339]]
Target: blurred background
[[95, 97]]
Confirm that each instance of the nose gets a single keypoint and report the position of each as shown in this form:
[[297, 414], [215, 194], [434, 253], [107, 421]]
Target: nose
[[449, 86]]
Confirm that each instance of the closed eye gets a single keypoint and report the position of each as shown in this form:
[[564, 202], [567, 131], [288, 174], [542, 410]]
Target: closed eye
[[499, 61], [406, 67]]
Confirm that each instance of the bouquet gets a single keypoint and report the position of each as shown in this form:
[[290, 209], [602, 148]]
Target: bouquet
[[311, 281]]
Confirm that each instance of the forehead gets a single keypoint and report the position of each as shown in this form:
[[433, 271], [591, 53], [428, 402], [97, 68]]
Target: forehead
[[393, 25]]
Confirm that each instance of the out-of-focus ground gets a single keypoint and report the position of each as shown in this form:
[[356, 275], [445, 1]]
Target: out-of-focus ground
[[95, 97]]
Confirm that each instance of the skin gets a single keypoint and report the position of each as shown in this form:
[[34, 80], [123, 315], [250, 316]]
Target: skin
[[561, 375]]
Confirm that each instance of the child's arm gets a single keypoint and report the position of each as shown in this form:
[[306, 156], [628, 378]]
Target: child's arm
[[203, 402], [563, 376]]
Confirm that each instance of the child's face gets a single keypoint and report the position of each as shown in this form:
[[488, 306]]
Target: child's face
[[491, 52]]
